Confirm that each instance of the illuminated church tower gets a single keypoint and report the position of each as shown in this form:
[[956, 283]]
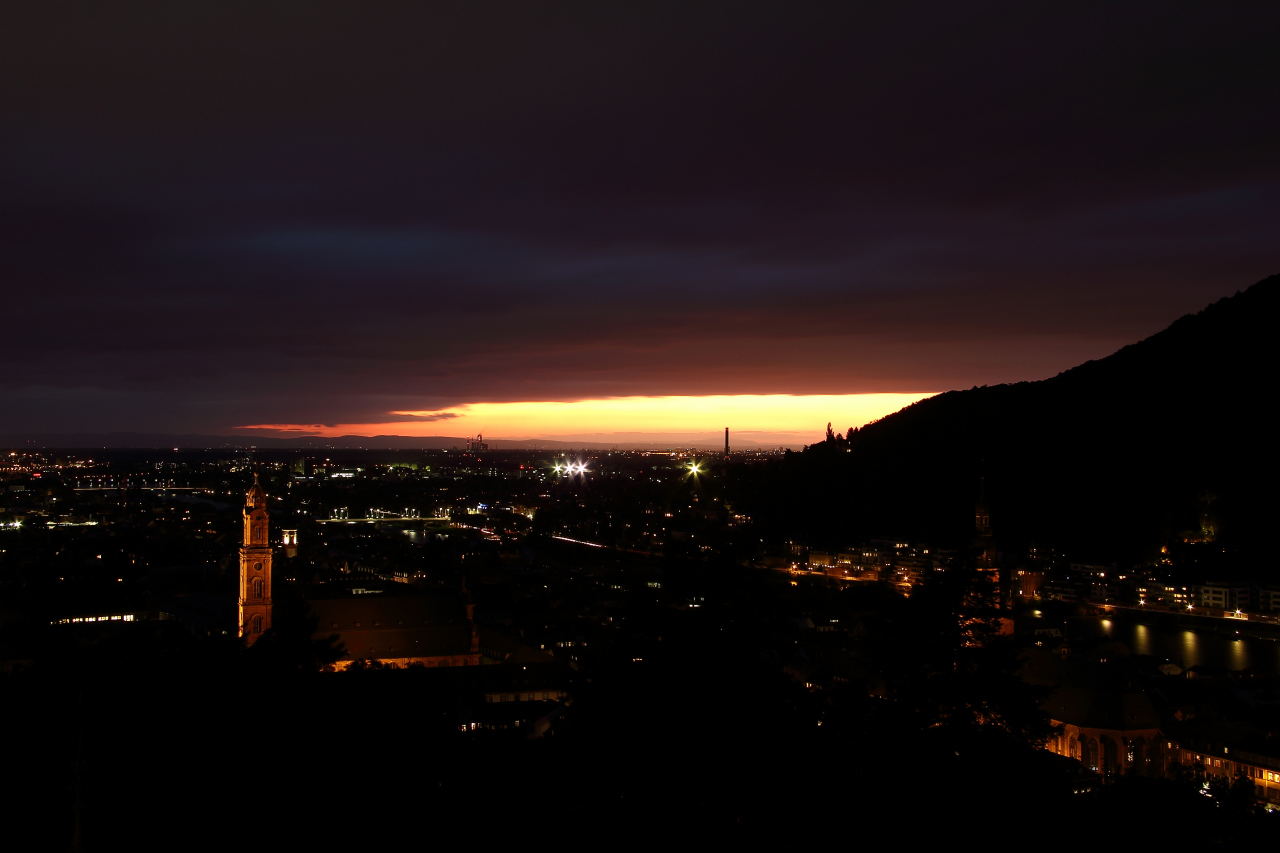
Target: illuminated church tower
[[255, 567]]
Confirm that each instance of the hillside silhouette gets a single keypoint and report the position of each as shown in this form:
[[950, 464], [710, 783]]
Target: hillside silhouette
[[1167, 443]]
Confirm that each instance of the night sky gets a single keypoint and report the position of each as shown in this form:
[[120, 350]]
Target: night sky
[[218, 215]]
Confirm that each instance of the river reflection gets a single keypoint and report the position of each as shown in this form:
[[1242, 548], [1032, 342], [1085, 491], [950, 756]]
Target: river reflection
[[1141, 640], [1187, 648]]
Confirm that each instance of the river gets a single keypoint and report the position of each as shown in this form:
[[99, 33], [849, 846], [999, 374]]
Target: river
[[1186, 648]]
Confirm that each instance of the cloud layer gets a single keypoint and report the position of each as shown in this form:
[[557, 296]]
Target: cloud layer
[[218, 215]]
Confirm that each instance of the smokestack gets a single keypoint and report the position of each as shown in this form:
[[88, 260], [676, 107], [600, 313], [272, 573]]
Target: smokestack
[[726, 441]]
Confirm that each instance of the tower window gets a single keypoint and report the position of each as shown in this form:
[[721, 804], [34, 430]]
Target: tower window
[[257, 587], [257, 624]]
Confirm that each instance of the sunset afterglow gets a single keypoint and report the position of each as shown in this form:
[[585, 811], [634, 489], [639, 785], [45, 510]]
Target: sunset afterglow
[[761, 418]]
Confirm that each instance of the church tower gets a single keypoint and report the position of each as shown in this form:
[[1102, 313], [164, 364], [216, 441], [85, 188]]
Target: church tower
[[983, 537], [255, 567], [982, 515]]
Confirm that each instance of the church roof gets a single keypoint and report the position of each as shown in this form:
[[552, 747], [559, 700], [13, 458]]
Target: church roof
[[401, 626], [362, 644], [388, 611], [1130, 710]]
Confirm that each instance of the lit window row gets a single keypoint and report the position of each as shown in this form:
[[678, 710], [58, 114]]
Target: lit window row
[[123, 617]]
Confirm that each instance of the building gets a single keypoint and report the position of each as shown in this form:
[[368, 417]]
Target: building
[[1221, 595], [858, 565], [1088, 571], [866, 563], [477, 444], [255, 567], [1027, 583], [1109, 733], [400, 630], [394, 630], [1268, 599], [1161, 593], [1228, 763], [1059, 589], [910, 570], [821, 559]]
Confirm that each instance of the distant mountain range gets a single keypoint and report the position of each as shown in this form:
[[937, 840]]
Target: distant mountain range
[[1168, 443], [138, 440], [145, 440]]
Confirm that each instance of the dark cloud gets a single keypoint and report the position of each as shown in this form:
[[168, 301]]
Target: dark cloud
[[427, 417], [222, 214]]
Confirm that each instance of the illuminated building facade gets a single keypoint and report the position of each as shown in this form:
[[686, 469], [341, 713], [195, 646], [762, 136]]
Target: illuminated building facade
[[255, 567], [1228, 764], [1222, 596], [1111, 734]]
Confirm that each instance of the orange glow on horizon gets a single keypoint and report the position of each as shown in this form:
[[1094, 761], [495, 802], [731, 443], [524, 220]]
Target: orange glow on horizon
[[802, 416]]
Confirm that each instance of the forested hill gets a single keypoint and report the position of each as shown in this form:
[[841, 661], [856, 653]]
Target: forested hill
[[1168, 440]]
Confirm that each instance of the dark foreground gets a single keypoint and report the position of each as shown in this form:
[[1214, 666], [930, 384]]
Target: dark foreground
[[147, 745]]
